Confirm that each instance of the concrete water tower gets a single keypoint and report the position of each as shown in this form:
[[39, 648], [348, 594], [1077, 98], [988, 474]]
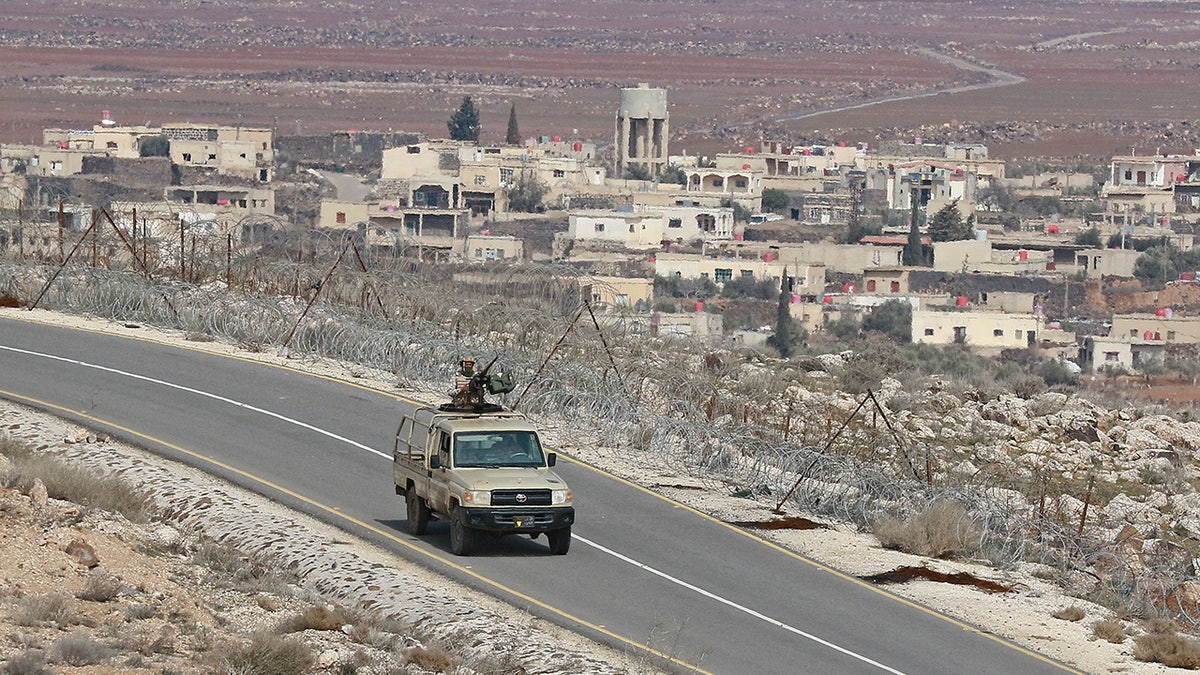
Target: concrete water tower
[[642, 129]]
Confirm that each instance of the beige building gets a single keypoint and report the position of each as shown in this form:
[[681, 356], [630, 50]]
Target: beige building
[[1116, 353], [977, 255], [694, 324], [1169, 329], [221, 199], [619, 291], [485, 248], [1106, 262], [807, 279], [55, 162], [978, 330], [886, 280]]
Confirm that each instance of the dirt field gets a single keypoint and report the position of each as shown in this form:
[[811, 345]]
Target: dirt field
[[1126, 80]]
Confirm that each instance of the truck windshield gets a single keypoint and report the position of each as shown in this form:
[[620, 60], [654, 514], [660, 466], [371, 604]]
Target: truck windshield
[[497, 448]]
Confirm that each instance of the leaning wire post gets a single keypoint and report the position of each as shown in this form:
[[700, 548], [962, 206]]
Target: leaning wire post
[[62, 266], [828, 444], [313, 299], [549, 356]]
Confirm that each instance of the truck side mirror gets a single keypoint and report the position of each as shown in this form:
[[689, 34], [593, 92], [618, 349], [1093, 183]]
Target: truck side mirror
[[435, 461], [551, 459]]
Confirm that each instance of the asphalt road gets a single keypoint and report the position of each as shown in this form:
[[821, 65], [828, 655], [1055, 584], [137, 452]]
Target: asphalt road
[[643, 572]]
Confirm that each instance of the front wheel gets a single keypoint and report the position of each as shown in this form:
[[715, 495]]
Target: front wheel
[[560, 541], [462, 538], [418, 513]]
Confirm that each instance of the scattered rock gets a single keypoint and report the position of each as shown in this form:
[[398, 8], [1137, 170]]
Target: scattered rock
[[37, 493], [82, 553]]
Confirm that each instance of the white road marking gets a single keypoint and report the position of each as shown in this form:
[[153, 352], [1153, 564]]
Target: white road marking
[[205, 394], [619, 556], [729, 603]]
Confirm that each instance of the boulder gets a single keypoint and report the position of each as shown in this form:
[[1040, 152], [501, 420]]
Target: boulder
[[37, 493], [82, 553]]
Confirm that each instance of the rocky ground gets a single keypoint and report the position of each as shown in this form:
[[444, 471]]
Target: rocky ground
[[1145, 506]]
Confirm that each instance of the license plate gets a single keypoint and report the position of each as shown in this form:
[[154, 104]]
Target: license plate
[[523, 521]]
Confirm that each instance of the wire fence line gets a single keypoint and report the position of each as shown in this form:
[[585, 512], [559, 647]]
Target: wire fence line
[[748, 431]]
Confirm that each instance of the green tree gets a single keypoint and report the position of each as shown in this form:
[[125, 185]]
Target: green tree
[[513, 135], [948, 224], [154, 146], [787, 333], [914, 252], [673, 174], [893, 318], [775, 200], [637, 172], [464, 123], [527, 193], [1089, 237]]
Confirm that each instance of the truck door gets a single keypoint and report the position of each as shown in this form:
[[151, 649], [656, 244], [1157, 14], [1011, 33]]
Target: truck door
[[439, 489]]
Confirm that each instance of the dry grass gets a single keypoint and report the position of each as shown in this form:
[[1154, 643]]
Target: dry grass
[[1168, 648], [100, 587], [940, 531], [267, 654], [51, 610], [1112, 631], [239, 571], [69, 483], [29, 662], [435, 659], [79, 650], [320, 617], [1072, 613]]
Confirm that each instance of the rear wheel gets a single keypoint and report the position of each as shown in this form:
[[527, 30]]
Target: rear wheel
[[418, 513], [560, 541], [462, 538]]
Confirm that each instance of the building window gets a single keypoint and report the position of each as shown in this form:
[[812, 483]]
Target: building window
[[1017, 333], [718, 182], [870, 285], [998, 332], [895, 286], [187, 156], [211, 157], [478, 253], [1170, 335], [414, 149], [559, 173], [741, 182], [599, 227], [707, 222], [747, 274], [704, 275], [341, 217], [499, 254], [1112, 356], [1132, 332], [480, 179], [111, 145], [1128, 174], [506, 176], [928, 331], [419, 198], [675, 222], [722, 274]]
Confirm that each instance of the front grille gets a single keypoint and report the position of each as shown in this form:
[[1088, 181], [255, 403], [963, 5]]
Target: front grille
[[527, 520], [520, 498]]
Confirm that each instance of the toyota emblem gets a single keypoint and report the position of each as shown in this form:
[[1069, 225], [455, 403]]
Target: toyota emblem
[[521, 498]]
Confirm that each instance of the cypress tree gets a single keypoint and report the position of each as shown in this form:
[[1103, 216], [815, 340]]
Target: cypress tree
[[513, 136]]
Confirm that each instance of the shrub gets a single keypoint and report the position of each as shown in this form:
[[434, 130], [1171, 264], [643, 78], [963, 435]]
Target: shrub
[[44, 610], [1170, 649], [1112, 631], [267, 654], [321, 617], [79, 650], [139, 611], [29, 662], [70, 483], [1072, 613], [941, 530], [100, 587], [435, 659]]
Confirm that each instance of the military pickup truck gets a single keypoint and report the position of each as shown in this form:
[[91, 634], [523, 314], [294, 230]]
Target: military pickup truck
[[485, 472]]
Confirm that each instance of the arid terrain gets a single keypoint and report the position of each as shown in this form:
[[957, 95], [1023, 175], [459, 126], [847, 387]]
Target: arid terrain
[[1091, 79]]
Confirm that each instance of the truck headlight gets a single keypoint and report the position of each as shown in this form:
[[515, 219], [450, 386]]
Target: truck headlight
[[560, 496], [477, 498]]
